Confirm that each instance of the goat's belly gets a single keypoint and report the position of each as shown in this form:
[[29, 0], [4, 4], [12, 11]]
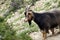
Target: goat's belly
[[54, 25]]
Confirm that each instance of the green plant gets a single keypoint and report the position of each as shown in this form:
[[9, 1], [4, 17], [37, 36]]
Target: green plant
[[24, 35], [6, 32]]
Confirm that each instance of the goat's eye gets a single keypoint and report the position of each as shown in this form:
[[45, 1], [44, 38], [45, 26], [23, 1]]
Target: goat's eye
[[29, 13]]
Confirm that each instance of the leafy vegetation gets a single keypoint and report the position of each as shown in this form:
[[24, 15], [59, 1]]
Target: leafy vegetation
[[47, 5], [6, 32]]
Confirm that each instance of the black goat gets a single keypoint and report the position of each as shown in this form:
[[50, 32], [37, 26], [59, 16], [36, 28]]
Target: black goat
[[46, 20]]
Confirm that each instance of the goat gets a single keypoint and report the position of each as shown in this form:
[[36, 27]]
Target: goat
[[46, 20]]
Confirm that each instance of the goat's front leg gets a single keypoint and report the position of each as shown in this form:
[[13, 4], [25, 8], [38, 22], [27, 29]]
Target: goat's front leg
[[52, 30], [44, 34]]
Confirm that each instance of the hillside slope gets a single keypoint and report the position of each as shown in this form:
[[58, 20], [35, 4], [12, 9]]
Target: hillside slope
[[16, 18]]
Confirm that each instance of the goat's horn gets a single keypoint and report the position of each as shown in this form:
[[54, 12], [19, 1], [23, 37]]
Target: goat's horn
[[28, 7]]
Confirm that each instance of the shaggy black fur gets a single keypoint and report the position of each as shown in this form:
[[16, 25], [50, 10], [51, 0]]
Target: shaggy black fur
[[46, 20]]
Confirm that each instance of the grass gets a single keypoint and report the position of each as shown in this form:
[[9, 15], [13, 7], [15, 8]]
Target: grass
[[47, 5], [21, 10], [24, 36], [19, 18], [32, 28]]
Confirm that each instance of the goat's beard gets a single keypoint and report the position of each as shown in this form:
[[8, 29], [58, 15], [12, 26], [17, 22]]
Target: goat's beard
[[29, 23]]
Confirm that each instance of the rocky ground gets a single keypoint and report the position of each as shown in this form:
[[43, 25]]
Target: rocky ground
[[38, 36]]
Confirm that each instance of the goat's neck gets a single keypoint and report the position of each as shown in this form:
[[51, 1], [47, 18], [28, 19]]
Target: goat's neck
[[35, 18]]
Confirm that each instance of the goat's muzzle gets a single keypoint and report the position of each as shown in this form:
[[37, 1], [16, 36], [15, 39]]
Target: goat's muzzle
[[25, 19]]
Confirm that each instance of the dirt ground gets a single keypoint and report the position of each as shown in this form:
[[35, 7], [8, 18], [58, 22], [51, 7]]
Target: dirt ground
[[38, 36]]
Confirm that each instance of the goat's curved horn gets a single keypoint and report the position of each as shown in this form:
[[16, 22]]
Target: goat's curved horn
[[28, 7]]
